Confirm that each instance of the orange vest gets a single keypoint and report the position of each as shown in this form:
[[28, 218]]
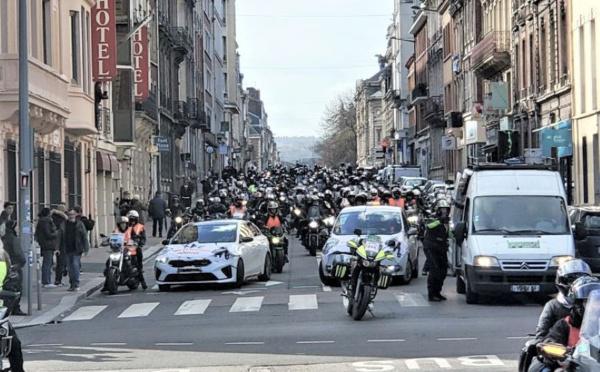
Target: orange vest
[[573, 334], [396, 202], [273, 222]]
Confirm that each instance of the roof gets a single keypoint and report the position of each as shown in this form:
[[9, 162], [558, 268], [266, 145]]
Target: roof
[[371, 208], [217, 222]]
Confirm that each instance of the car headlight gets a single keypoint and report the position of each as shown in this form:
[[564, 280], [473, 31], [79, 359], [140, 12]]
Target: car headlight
[[486, 261], [275, 240], [559, 260], [413, 220], [178, 220], [313, 224], [162, 259], [115, 256]]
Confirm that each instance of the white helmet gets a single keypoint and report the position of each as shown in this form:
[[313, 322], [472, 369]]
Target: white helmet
[[133, 214]]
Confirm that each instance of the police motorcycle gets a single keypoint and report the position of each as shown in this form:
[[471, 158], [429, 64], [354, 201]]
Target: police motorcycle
[[585, 356], [122, 269], [361, 272]]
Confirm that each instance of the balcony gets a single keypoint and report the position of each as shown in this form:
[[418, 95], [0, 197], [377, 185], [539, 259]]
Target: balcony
[[491, 55], [419, 93], [148, 107], [433, 111], [181, 112], [182, 40]]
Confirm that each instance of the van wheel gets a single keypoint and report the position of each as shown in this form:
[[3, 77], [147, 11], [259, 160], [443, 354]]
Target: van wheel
[[471, 297], [460, 284]]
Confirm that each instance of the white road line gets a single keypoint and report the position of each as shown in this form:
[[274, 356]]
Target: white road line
[[138, 310], [411, 300], [303, 302], [390, 340], [244, 304], [457, 339], [326, 288], [108, 344], [245, 343], [193, 307], [44, 345], [315, 342], [173, 343], [305, 286], [85, 313]]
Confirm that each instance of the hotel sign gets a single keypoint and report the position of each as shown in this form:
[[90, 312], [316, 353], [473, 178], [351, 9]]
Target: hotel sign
[[104, 40]]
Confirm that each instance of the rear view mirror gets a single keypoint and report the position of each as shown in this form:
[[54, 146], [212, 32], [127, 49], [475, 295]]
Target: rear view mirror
[[412, 231], [460, 232], [246, 239], [580, 232], [391, 243]]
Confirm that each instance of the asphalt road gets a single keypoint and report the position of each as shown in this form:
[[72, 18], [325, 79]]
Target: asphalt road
[[291, 323]]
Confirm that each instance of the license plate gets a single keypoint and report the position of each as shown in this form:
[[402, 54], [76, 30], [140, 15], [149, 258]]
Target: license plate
[[524, 288]]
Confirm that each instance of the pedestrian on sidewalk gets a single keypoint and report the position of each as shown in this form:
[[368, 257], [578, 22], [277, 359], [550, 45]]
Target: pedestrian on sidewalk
[[157, 209], [17, 259], [76, 243], [125, 203], [7, 212], [59, 217], [46, 235]]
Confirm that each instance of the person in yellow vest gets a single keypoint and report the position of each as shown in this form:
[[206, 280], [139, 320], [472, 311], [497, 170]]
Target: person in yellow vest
[[15, 355]]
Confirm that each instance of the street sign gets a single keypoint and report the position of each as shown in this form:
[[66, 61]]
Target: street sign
[[162, 143], [223, 150], [210, 149]]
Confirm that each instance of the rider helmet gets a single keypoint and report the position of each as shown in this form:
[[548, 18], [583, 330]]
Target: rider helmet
[[570, 271]]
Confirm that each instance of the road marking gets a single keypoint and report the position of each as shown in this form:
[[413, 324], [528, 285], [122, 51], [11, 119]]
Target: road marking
[[244, 304], [315, 342], [326, 288], [519, 337], [411, 300], [245, 343], [155, 287], [305, 286], [44, 345], [457, 339], [271, 283], [193, 307], [303, 302], [390, 340], [138, 310], [173, 343], [85, 313], [241, 293], [108, 344]]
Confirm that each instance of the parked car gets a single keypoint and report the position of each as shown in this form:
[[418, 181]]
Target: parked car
[[389, 223], [412, 182], [216, 251], [586, 223]]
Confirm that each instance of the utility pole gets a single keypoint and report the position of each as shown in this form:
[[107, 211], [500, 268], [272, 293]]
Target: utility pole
[[25, 151]]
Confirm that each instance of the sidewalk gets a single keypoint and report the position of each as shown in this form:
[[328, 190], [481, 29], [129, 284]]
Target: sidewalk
[[56, 301]]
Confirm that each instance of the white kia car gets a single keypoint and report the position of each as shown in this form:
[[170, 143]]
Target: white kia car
[[220, 251]]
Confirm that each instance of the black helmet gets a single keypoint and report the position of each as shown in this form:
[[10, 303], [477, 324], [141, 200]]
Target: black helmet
[[570, 271], [361, 199], [396, 192], [578, 294]]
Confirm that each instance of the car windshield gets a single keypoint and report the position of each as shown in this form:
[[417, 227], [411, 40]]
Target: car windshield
[[414, 182], [591, 222], [370, 223], [207, 233], [520, 215]]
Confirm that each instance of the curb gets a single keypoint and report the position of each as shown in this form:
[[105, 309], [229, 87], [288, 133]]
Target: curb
[[68, 302]]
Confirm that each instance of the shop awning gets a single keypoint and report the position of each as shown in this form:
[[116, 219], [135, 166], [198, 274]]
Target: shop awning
[[102, 162]]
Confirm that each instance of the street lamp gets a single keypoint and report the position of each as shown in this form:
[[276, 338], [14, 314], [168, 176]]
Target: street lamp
[[424, 8], [401, 39]]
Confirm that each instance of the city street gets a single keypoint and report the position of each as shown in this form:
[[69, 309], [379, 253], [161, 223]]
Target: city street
[[290, 323]]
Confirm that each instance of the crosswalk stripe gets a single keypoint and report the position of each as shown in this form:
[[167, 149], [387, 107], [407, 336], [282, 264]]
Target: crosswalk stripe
[[303, 302], [244, 304], [138, 310], [85, 313], [412, 300], [193, 307]]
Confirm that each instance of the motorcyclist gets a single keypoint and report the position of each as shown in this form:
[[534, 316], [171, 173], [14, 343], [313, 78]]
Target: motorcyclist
[[435, 245], [137, 234], [396, 200], [555, 309], [274, 220], [386, 196], [215, 206], [360, 199], [566, 330], [122, 227], [199, 210], [237, 209], [15, 356]]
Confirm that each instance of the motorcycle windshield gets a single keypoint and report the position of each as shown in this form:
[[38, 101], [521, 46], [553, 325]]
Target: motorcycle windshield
[[590, 328], [313, 212]]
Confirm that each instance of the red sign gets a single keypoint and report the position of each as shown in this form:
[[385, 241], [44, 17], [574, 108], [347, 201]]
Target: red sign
[[141, 64], [104, 40]]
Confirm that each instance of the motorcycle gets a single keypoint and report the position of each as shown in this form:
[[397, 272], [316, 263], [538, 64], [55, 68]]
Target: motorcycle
[[312, 236], [122, 268], [276, 244], [585, 356], [9, 299], [361, 273]]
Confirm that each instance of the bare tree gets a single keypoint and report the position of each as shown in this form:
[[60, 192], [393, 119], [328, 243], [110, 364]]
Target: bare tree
[[338, 142]]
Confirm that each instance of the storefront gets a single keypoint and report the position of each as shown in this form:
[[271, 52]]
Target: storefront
[[556, 142]]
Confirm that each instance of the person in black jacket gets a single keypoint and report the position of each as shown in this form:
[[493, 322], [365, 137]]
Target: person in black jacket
[[157, 209], [59, 217], [46, 235], [435, 245]]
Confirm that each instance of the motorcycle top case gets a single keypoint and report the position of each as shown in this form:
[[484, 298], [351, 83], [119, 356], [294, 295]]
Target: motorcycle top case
[[341, 266]]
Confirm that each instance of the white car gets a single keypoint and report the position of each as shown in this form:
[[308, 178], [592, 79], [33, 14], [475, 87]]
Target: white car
[[389, 223], [220, 251]]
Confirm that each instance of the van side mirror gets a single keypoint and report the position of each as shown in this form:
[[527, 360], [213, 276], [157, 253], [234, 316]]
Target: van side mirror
[[580, 232], [460, 232]]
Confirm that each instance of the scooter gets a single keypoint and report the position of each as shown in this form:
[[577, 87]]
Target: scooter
[[277, 246], [122, 266]]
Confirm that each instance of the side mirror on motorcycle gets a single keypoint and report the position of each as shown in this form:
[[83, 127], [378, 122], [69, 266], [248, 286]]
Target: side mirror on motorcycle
[[553, 351], [246, 239], [391, 243], [412, 231], [102, 236], [357, 232]]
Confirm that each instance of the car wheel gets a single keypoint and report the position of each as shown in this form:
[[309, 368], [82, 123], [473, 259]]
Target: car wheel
[[266, 275], [415, 271], [164, 287], [325, 280], [408, 273], [239, 277], [470, 296]]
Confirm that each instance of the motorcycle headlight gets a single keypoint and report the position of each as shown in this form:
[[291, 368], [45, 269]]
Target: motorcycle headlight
[[329, 221], [275, 240], [178, 220], [313, 224], [115, 256], [413, 220], [297, 212], [367, 263], [486, 261], [244, 202], [281, 199], [162, 259], [559, 260]]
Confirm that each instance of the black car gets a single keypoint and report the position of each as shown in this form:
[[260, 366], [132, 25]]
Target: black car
[[586, 221]]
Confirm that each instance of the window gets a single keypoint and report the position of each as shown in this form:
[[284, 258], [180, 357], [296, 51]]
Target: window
[[582, 71], [593, 62], [543, 56], [47, 31], [75, 49], [552, 50]]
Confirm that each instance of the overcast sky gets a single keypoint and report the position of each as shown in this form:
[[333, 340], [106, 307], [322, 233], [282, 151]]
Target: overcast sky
[[302, 53]]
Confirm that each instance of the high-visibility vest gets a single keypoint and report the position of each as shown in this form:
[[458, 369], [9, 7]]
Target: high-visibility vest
[[273, 222]]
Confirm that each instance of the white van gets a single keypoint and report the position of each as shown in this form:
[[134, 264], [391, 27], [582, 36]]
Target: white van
[[511, 230]]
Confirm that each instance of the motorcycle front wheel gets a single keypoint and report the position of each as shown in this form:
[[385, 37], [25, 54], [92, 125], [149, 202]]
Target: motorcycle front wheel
[[361, 302], [279, 261], [112, 280]]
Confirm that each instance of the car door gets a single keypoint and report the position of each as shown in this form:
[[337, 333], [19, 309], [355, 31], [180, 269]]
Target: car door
[[258, 251], [246, 249]]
